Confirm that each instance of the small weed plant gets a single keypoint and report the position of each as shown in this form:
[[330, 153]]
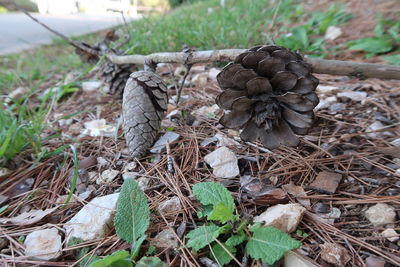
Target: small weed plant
[[221, 234]]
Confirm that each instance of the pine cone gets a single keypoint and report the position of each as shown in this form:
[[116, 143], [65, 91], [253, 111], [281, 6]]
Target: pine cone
[[269, 93], [144, 102], [116, 76]]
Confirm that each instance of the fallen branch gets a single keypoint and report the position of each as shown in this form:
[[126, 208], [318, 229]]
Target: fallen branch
[[322, 66]]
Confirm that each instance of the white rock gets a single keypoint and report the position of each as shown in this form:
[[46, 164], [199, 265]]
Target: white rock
[[213, 72], [293, 259], [332, 33], [224, 163], [325, 103], [376, 126], [91, 86], [200, 79], [130, 166], [335, 254], [381, 214], [107, 176], [396, 142], [129, 175], [4, 172], [170, 206], [160, 145], [165, 239], [43, 244], [180, 71], [224, 140], [356, 96], [98, 128], [143, 183], [94, 219], [206, 111], [102, 161], [16, 94], [283, 216], [390, 234], [327, 89]]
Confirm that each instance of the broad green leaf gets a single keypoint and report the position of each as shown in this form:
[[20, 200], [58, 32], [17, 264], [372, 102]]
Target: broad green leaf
[[269, 244], [211, 193], [202, 236], [394, 59], [119, 258], [132, 217], [374, 45], [150, 262], [136, 246], [220, 254], [235, 240], [221, 213], [205, 212]]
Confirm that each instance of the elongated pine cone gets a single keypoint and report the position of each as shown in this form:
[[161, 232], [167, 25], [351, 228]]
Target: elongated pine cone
[[268, 92], [144, 102]]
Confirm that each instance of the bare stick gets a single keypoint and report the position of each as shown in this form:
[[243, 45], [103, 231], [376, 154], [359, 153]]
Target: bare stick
[[322, 66]]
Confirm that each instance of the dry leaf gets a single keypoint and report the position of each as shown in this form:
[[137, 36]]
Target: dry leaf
[[28, 218]]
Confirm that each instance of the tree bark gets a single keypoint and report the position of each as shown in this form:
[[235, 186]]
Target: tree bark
[[322, 66]]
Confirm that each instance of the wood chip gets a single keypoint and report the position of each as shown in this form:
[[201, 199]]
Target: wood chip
[[326, 182]]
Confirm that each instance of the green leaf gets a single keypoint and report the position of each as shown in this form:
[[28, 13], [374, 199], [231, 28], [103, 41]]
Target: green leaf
[[394, 59], [150, 262], [136, 246], [202, 236], [221, 213], [132, 217], [119, 258], [236, 239], [205, 212], [211, 193], [374, 45], [269, 244], [220, 254]]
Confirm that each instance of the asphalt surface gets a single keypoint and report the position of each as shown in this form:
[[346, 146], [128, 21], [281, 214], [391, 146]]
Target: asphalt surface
[[18, 32]]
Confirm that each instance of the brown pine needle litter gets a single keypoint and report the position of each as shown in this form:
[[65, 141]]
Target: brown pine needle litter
[[338, 143]]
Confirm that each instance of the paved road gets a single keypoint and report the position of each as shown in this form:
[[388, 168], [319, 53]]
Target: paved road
[[18, 32]]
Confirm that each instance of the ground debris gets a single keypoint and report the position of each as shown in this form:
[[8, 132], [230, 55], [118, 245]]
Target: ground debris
[[326, 182]]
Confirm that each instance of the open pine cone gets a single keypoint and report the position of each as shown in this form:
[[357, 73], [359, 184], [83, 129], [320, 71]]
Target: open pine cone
[[269, 93]]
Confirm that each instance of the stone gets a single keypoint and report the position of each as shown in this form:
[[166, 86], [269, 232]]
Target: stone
[[144, 183], [4, 172], [208, 141], [337, 107], [200, 79], [3, 199], [170, 207], [94, 220], [292, 259], [395, 142], [377, 126], [325, 103], [165, 239], [324, 89], [130, 166], [91, 86], [326, 182], [107, 176], [390, 234], [335, 254], [130, 175], [102, 161], [224, 163], [381, 214], [18, 93], [43, 244], [224, 140], [373, 261], [180, 71], [160, 145], [331, 216], [282, 216], [207, 111], [355, 96], [99, 128], [332, 33], [213, 72]]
